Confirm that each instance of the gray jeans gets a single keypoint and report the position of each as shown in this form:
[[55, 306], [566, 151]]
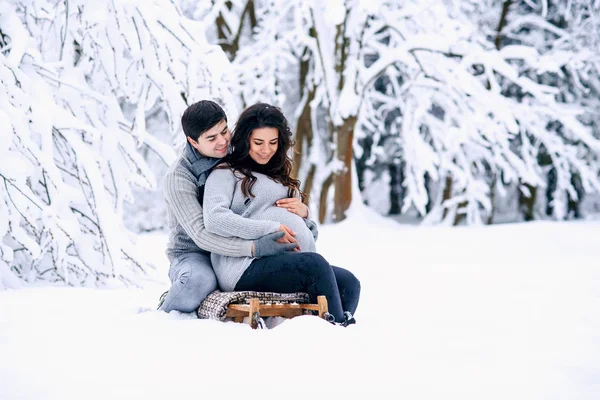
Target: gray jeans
[[192, 279]]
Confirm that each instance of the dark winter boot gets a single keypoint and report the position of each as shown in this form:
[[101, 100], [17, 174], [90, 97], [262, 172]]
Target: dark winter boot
[[348, 319], [329, 318]]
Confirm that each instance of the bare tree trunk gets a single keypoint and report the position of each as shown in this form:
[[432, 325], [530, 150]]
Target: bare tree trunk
[[343, 178], [502, 23], [344, 134], [224, 31], [550, 188], [429, 205], [323, 198], [573, 204], [304, 133], [231, 45], [308, 182], [459, 217], [493, 182], [304, 128], [527, 203], [498, 44], [396, 192], [447, 193]]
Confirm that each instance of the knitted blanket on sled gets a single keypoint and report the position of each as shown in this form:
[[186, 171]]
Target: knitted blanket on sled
[[216, 303]]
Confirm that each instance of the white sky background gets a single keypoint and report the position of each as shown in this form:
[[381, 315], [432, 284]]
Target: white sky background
[[500, 312]]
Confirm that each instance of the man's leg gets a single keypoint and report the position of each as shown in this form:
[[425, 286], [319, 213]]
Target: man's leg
[[294, 272], [192, 279], [349, 288]]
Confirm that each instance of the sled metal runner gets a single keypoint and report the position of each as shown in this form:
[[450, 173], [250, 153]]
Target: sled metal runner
[[256, 310]]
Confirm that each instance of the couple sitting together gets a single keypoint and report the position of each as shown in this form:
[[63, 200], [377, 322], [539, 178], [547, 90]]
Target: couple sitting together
[[237, 219]]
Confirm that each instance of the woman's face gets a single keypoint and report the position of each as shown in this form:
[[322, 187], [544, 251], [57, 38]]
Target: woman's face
[[263, 144]]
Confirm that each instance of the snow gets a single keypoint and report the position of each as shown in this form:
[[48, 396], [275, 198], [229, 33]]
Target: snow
[[334, 12], [508, 311], [503, 312]]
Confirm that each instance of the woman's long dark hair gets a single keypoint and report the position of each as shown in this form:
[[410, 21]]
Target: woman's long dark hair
[[279, 167]]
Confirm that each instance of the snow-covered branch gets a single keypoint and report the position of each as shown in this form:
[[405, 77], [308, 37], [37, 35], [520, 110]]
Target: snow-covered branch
[[70, 74]]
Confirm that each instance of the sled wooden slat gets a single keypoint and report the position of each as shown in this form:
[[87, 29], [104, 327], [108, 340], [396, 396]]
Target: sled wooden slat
[[323, 306], [254, 312], [239, 311]]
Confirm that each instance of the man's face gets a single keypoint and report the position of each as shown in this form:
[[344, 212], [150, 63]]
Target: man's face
[[214, 142]]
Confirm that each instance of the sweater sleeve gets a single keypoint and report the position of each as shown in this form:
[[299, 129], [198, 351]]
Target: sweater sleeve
[[311, 224], [180, 195], [220, 219]]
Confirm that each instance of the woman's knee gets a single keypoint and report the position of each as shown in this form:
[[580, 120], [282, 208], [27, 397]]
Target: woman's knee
[[355, 286], [348, 280], [349, 287], [315, 263]]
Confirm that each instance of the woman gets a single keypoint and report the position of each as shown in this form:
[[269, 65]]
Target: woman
[[253, 195]]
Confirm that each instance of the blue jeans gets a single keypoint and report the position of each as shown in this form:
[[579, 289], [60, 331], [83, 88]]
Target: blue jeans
[[192, 279], [304, 272]]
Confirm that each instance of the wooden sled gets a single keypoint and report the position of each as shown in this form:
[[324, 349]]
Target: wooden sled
[[255, 310]]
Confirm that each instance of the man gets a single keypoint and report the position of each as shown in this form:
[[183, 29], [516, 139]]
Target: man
[[192, 278]]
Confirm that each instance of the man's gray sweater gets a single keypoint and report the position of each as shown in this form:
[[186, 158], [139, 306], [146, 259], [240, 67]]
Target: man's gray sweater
[[227, 212], [186, 221]]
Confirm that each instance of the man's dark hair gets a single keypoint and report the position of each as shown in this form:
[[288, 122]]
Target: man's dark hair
[[200, 117]]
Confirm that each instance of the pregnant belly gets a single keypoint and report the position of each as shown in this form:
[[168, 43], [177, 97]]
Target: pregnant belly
[[292, 221]]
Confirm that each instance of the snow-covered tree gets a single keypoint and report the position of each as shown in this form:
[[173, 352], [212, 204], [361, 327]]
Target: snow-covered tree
[[466, 110], [77, 80], [456, 96], [301, 56], [567, 36], [471, 116]]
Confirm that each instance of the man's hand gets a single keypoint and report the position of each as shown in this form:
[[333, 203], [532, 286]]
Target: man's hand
[[268, 245], [293, 205]]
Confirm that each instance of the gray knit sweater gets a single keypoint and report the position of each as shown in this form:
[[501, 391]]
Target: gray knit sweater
[[186, 221], [227, 212]]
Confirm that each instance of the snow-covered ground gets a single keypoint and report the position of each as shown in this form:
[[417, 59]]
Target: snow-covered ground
[[502, 312]]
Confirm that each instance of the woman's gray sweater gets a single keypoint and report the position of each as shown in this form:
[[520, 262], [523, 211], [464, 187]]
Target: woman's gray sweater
[[227, 212]]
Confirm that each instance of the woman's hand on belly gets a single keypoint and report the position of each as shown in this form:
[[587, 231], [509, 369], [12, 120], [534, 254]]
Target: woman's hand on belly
[[288, 237], [293, 205]]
